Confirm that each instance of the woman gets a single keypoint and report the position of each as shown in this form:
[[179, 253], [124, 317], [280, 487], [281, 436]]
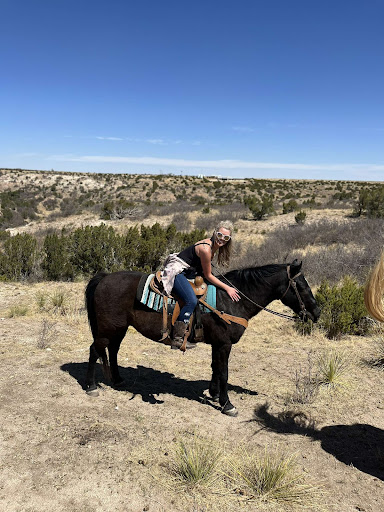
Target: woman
[[192, 261]]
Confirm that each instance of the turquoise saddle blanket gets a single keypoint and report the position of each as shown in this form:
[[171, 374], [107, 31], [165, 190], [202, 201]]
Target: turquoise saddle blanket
[[153, 300]]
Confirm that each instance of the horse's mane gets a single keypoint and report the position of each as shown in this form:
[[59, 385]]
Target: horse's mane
[[254, 274]]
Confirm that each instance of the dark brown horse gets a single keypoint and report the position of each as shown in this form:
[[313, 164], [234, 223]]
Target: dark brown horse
[[112, 307]]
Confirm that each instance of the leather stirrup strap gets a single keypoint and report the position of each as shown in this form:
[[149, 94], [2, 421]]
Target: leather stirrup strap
[[164, 330], [224, 316]]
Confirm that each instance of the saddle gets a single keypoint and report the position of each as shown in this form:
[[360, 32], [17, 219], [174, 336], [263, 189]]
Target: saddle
[[195, 325]]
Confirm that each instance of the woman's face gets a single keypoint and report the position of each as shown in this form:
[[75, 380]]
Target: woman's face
[[222, 236]]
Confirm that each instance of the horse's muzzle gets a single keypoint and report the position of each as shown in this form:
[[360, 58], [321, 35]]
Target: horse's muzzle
[[310, 315]]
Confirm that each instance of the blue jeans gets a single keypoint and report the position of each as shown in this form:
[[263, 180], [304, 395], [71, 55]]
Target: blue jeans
[[183, 290]]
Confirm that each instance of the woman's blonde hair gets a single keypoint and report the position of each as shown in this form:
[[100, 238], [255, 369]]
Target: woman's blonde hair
[[374, 289], [224, 253]]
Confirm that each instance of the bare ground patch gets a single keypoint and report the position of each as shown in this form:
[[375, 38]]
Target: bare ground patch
[[63, 450]]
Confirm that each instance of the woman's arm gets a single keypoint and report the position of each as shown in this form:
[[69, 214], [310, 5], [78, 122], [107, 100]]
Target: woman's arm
[[205, 258]]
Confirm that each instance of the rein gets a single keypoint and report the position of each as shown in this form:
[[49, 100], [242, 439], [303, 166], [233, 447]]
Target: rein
[[291, 282]]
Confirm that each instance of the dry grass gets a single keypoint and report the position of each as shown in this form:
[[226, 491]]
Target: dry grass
[[376, 359], [273, 476], [306, 383], [195, 461], [47, 333], [17, 310]]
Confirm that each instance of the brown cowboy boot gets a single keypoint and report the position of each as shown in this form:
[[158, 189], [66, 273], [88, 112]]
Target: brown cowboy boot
[[178, 333]]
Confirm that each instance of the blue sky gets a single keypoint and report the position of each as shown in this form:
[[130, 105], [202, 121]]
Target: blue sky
[[247, 88]]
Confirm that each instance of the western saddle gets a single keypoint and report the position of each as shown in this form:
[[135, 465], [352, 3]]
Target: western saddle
[[200, 288]]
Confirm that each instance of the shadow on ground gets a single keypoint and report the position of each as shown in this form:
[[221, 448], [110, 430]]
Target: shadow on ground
[[359, 445], [149, 384]]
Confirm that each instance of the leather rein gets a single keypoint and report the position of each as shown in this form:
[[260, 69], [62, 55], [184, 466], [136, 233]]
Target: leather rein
[[291, 282]]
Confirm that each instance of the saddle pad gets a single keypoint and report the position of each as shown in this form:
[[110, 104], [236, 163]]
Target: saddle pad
[[153, 300]]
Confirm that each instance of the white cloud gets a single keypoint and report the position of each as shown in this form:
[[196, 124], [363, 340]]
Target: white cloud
[[109, 138], [243, 129], [353, 169], [160, 142]]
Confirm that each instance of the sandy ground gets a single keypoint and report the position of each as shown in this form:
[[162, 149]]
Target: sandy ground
[[62, 450]]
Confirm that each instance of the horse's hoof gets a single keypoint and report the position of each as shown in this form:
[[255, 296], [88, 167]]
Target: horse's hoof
[[215, 398], [233, 412], [92, 392]]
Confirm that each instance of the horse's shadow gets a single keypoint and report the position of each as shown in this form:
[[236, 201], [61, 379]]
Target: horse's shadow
[[150, 384], [358, 445]]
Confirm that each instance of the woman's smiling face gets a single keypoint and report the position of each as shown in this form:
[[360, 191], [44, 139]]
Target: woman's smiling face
[[222, 236]]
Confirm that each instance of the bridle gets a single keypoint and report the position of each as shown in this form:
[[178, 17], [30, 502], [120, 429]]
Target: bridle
[[291, 283]]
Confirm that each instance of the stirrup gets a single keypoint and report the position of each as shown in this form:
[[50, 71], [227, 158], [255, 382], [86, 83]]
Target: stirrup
[[178, 345], [180, 336]]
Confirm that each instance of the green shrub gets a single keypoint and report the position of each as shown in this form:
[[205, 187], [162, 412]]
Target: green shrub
[[342, 308], [4, 235], [260, 208], [290, 206], [95, 248], [371, 202], [55, 262], [301, 217], [19, 257]]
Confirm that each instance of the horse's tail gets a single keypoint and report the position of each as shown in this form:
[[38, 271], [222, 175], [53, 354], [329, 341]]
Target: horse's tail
[[374, 289], [91, 311]]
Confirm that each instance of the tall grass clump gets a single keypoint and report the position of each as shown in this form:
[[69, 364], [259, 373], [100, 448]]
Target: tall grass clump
[[59, 301], [271, 477], [195, 462], [41, 300], [17, 310], [333, 367]]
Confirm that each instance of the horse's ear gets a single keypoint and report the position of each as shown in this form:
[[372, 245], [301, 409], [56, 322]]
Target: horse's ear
[[296, 265]]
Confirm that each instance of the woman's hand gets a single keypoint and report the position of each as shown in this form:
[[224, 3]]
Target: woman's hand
[[232, 292]]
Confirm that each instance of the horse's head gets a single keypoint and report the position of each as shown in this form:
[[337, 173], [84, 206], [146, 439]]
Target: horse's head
[[298, 294]]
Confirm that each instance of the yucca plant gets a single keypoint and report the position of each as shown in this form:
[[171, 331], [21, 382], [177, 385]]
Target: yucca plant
[[41, 299], [333, 367], [271, 477], [59, 301], [195, 461]]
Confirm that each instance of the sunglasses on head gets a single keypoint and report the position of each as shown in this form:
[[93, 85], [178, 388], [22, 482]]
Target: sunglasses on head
[[221, 236]]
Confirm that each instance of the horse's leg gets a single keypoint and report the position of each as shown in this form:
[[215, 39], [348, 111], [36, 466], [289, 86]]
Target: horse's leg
[[113, 349], [90, 384], [214, 385], [219, 382], [96, 350]]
